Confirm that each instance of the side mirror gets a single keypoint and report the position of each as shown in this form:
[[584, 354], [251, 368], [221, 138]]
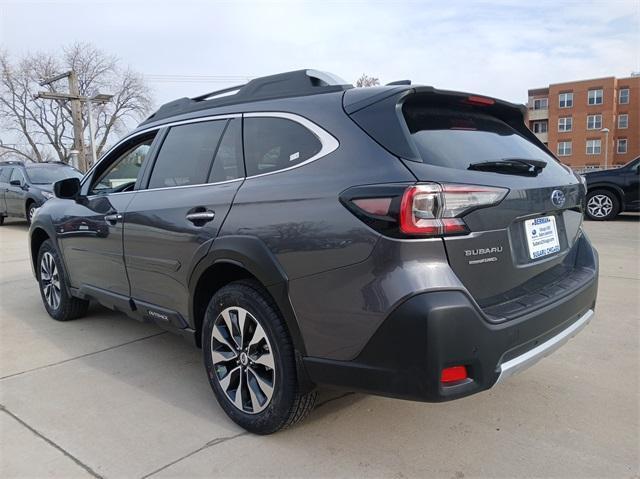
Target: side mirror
[[67, 189], [15, 183]]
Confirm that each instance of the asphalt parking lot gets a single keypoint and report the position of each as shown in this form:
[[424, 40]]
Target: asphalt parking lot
[[106, 396]]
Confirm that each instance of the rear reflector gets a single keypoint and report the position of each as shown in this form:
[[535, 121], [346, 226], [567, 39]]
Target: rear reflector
[[453, 374], [374, 206]]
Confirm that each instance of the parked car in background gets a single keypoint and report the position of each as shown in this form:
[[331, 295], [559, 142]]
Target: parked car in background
[[611, 192], [24, 187], [398, 240]]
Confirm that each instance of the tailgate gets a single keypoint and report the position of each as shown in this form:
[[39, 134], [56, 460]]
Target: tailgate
[[525, 240]]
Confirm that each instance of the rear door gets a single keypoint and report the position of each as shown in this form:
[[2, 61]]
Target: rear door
[[172, 220], [531, 230], [516, 246]]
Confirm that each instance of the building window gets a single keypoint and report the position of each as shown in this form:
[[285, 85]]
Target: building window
[[566, 100], [623, 96], [540, 126], [623, 121], [594, 147], [541, 104], [594, 122], [595, 97], [565, 124], [564, 148], [622, 146]]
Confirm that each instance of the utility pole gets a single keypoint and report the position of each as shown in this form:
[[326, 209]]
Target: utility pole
[[76, 113], [76, 117]]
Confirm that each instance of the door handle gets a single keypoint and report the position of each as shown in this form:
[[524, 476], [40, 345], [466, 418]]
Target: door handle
[[113, 218], [201, 217]]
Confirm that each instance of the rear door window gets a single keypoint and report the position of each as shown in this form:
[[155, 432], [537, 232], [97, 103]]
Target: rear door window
[[186, 154], [272, 144], [455, 139]]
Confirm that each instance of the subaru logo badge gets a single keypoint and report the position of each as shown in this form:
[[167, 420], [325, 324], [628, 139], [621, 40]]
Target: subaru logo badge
[[557, 198]]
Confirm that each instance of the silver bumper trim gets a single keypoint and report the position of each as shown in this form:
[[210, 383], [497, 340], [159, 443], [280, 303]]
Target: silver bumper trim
[[522, 362]]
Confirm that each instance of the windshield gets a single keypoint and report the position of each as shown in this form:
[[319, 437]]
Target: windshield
[[455, 139], [44, 176]]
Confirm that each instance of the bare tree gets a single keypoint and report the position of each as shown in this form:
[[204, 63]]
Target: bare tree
[[366, 80], [40, 129]]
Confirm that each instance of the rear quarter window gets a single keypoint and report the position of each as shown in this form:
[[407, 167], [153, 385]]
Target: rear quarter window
[[273, 144]]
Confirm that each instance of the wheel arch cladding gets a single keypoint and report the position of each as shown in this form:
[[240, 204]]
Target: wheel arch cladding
[[614, 189], [236, 257], [38, 236]]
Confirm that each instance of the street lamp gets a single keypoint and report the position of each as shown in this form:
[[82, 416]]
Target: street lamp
[[606, 146], [101, 98]]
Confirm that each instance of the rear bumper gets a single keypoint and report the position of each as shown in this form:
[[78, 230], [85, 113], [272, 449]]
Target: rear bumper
[[528, 359], [435, 330]]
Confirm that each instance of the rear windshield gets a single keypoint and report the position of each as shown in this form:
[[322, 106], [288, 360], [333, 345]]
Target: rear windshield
[[44, 176], [456, 138]]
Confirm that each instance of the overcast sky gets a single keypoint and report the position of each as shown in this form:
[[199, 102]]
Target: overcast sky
[[497, 48]]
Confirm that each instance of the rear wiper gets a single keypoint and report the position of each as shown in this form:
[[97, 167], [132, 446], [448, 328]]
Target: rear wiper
[[511, 166]]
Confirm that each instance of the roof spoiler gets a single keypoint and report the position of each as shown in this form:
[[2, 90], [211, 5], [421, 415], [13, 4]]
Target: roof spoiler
[[378, 111]]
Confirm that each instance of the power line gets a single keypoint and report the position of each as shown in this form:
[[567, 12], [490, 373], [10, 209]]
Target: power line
[[180, 78]]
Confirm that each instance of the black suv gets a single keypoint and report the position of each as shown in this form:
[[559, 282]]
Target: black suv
[[401, 240], [25, 187], [610, 192]]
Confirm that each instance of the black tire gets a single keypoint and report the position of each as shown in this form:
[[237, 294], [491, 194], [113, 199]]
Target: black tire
[[1, 220], [68, 307], [287, 405], [602, 205], [30, 210]]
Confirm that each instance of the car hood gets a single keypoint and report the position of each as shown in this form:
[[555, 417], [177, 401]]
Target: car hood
[[43, 187]]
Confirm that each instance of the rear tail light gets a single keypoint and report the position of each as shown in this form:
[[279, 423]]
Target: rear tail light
[[434, 210], [424, 209]]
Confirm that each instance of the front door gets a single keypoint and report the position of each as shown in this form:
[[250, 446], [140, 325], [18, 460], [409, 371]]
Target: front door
[[5, 174], [90, 234], [172, 221], [15, 194]]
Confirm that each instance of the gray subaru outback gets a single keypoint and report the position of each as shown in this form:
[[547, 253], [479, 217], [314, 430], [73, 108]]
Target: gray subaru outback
[[399, 240]]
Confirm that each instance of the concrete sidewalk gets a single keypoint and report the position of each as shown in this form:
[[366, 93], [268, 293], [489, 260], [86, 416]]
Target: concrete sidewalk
[[106, 396]]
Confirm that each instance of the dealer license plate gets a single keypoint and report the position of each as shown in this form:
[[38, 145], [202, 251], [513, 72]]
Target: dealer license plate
[[542, 236]]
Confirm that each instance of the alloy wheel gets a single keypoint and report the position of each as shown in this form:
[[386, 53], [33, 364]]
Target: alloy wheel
[[243, 360], [50, 280], [599, 206]]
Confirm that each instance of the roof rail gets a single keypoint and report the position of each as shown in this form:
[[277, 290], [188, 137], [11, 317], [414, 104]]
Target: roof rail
[[282, 85], [206, 96], [399, 82]]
